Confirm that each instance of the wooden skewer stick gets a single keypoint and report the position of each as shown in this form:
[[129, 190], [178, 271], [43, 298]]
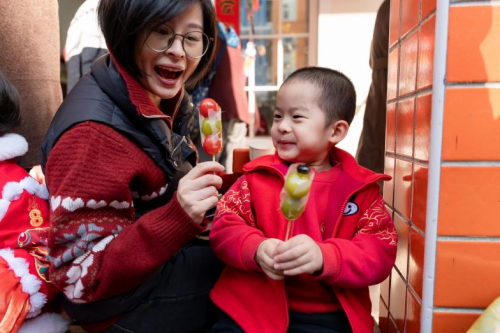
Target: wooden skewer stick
[[288, 227]]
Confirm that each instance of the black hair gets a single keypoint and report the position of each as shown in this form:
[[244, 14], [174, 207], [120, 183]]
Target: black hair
[[123, 21], [10, 112], [337, 96]]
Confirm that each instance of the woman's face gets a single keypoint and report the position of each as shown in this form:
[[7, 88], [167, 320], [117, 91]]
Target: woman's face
[[167, 71]]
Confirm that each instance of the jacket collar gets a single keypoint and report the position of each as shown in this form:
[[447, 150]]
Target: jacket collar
[[140, 99], [12, 146], [347, 164]]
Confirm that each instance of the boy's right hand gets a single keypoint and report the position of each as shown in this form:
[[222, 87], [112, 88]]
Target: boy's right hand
[[197, 190], [265, 258]]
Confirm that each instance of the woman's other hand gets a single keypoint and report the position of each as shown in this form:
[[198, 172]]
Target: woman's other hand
[[198, 190]]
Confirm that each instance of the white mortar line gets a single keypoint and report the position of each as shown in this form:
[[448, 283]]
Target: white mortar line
[[469, 239], [461, 85], [471, 163], [436, 143], [462, 3], [459, 310]]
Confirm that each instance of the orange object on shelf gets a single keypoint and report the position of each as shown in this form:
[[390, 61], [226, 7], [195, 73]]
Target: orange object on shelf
[[241, 156]]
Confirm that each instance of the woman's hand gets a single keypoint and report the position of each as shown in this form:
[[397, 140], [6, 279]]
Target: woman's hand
[[197, 191], [37, 173]]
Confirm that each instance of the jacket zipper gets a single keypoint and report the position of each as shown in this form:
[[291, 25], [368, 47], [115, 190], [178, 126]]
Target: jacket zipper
[[346, 314], [342, 208], [179, 144], [177, 147], [335, 230], [286, 308]]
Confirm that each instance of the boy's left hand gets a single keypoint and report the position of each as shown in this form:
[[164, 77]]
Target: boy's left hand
[[300, 254]]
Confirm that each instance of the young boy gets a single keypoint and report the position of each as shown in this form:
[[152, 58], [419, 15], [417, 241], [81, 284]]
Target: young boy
[[343, 242], [24, 223]]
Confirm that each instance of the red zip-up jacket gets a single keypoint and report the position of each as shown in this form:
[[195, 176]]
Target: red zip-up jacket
[[358, 242]]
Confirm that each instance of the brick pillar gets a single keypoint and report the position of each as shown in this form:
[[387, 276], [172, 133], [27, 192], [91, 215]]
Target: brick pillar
[[443, 151]]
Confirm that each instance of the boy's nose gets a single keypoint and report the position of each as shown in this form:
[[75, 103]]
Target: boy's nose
[[284, 127]]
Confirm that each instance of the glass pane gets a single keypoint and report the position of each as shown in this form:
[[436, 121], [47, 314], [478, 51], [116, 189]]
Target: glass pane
[[266, 100], [265, 18], [295, 16], [265, 61], [295, 54]]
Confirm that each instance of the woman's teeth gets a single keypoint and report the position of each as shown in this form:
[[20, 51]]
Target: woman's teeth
[[168, 73]]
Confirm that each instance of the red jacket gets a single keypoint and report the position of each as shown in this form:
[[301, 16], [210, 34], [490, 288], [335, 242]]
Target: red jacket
[[24, 223], [359, 246]]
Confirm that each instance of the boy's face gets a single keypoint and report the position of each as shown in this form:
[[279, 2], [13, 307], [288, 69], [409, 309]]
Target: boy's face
[[299, 130]]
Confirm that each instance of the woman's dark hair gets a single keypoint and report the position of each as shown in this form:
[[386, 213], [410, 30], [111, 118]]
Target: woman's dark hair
[[336, 97], [123, 21], [10, 112]]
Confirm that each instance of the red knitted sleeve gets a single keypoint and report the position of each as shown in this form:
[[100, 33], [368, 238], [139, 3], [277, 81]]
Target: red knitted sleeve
[[95, 240]]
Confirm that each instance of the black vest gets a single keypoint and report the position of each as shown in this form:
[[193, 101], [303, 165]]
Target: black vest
[[102, 96]]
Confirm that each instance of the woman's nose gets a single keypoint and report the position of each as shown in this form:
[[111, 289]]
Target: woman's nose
[[176, 48]]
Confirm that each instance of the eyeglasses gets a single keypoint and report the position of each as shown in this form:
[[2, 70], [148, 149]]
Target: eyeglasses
[[195, 43]]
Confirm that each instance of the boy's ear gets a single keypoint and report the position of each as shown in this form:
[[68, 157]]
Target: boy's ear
[[339, 131]]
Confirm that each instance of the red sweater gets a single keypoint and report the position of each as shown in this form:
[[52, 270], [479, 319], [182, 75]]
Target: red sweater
[[357, 239]]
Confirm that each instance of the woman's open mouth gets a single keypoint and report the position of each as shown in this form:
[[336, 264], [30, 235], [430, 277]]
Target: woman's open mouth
[[168, 73]]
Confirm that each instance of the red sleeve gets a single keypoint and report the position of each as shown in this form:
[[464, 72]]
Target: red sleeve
[[368, 257], [234, 236], [94, 238]]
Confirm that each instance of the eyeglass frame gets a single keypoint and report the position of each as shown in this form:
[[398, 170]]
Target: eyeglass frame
[[210, 39]]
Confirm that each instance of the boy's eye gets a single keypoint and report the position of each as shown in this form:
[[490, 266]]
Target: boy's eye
[[277, 116], [298, 116]]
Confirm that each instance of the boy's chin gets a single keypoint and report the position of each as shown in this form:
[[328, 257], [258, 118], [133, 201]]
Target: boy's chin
[[289, 159]]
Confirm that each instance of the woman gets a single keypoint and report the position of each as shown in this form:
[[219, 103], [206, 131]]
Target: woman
[[123, 240]]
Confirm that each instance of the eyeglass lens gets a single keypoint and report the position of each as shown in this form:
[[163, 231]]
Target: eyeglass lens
[[194, 43]]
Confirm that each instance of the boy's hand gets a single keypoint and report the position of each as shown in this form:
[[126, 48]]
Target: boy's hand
[[264, 258], [300, 254]]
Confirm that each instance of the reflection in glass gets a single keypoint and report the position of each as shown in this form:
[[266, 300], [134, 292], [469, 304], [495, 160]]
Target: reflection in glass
[[263, 19], [295, 16], [266, 100], [295, 55], [265, 61]]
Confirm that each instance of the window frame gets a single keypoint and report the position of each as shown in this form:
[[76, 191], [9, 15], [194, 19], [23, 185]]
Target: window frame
[[311, 36]]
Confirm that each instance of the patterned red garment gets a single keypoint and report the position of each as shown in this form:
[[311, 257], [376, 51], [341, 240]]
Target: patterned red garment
[[24, 224]]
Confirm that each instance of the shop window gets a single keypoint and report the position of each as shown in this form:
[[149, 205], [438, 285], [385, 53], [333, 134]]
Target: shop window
[[279, 31]]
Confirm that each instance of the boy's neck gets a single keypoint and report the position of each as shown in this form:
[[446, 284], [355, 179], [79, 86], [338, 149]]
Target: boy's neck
[[318, 166], [322, 167]]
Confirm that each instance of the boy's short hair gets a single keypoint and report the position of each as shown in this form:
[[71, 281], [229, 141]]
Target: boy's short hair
[[337, 96], [10, 112], [123, 21]]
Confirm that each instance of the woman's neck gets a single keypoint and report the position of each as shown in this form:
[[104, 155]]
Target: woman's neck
[[155, 99]]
